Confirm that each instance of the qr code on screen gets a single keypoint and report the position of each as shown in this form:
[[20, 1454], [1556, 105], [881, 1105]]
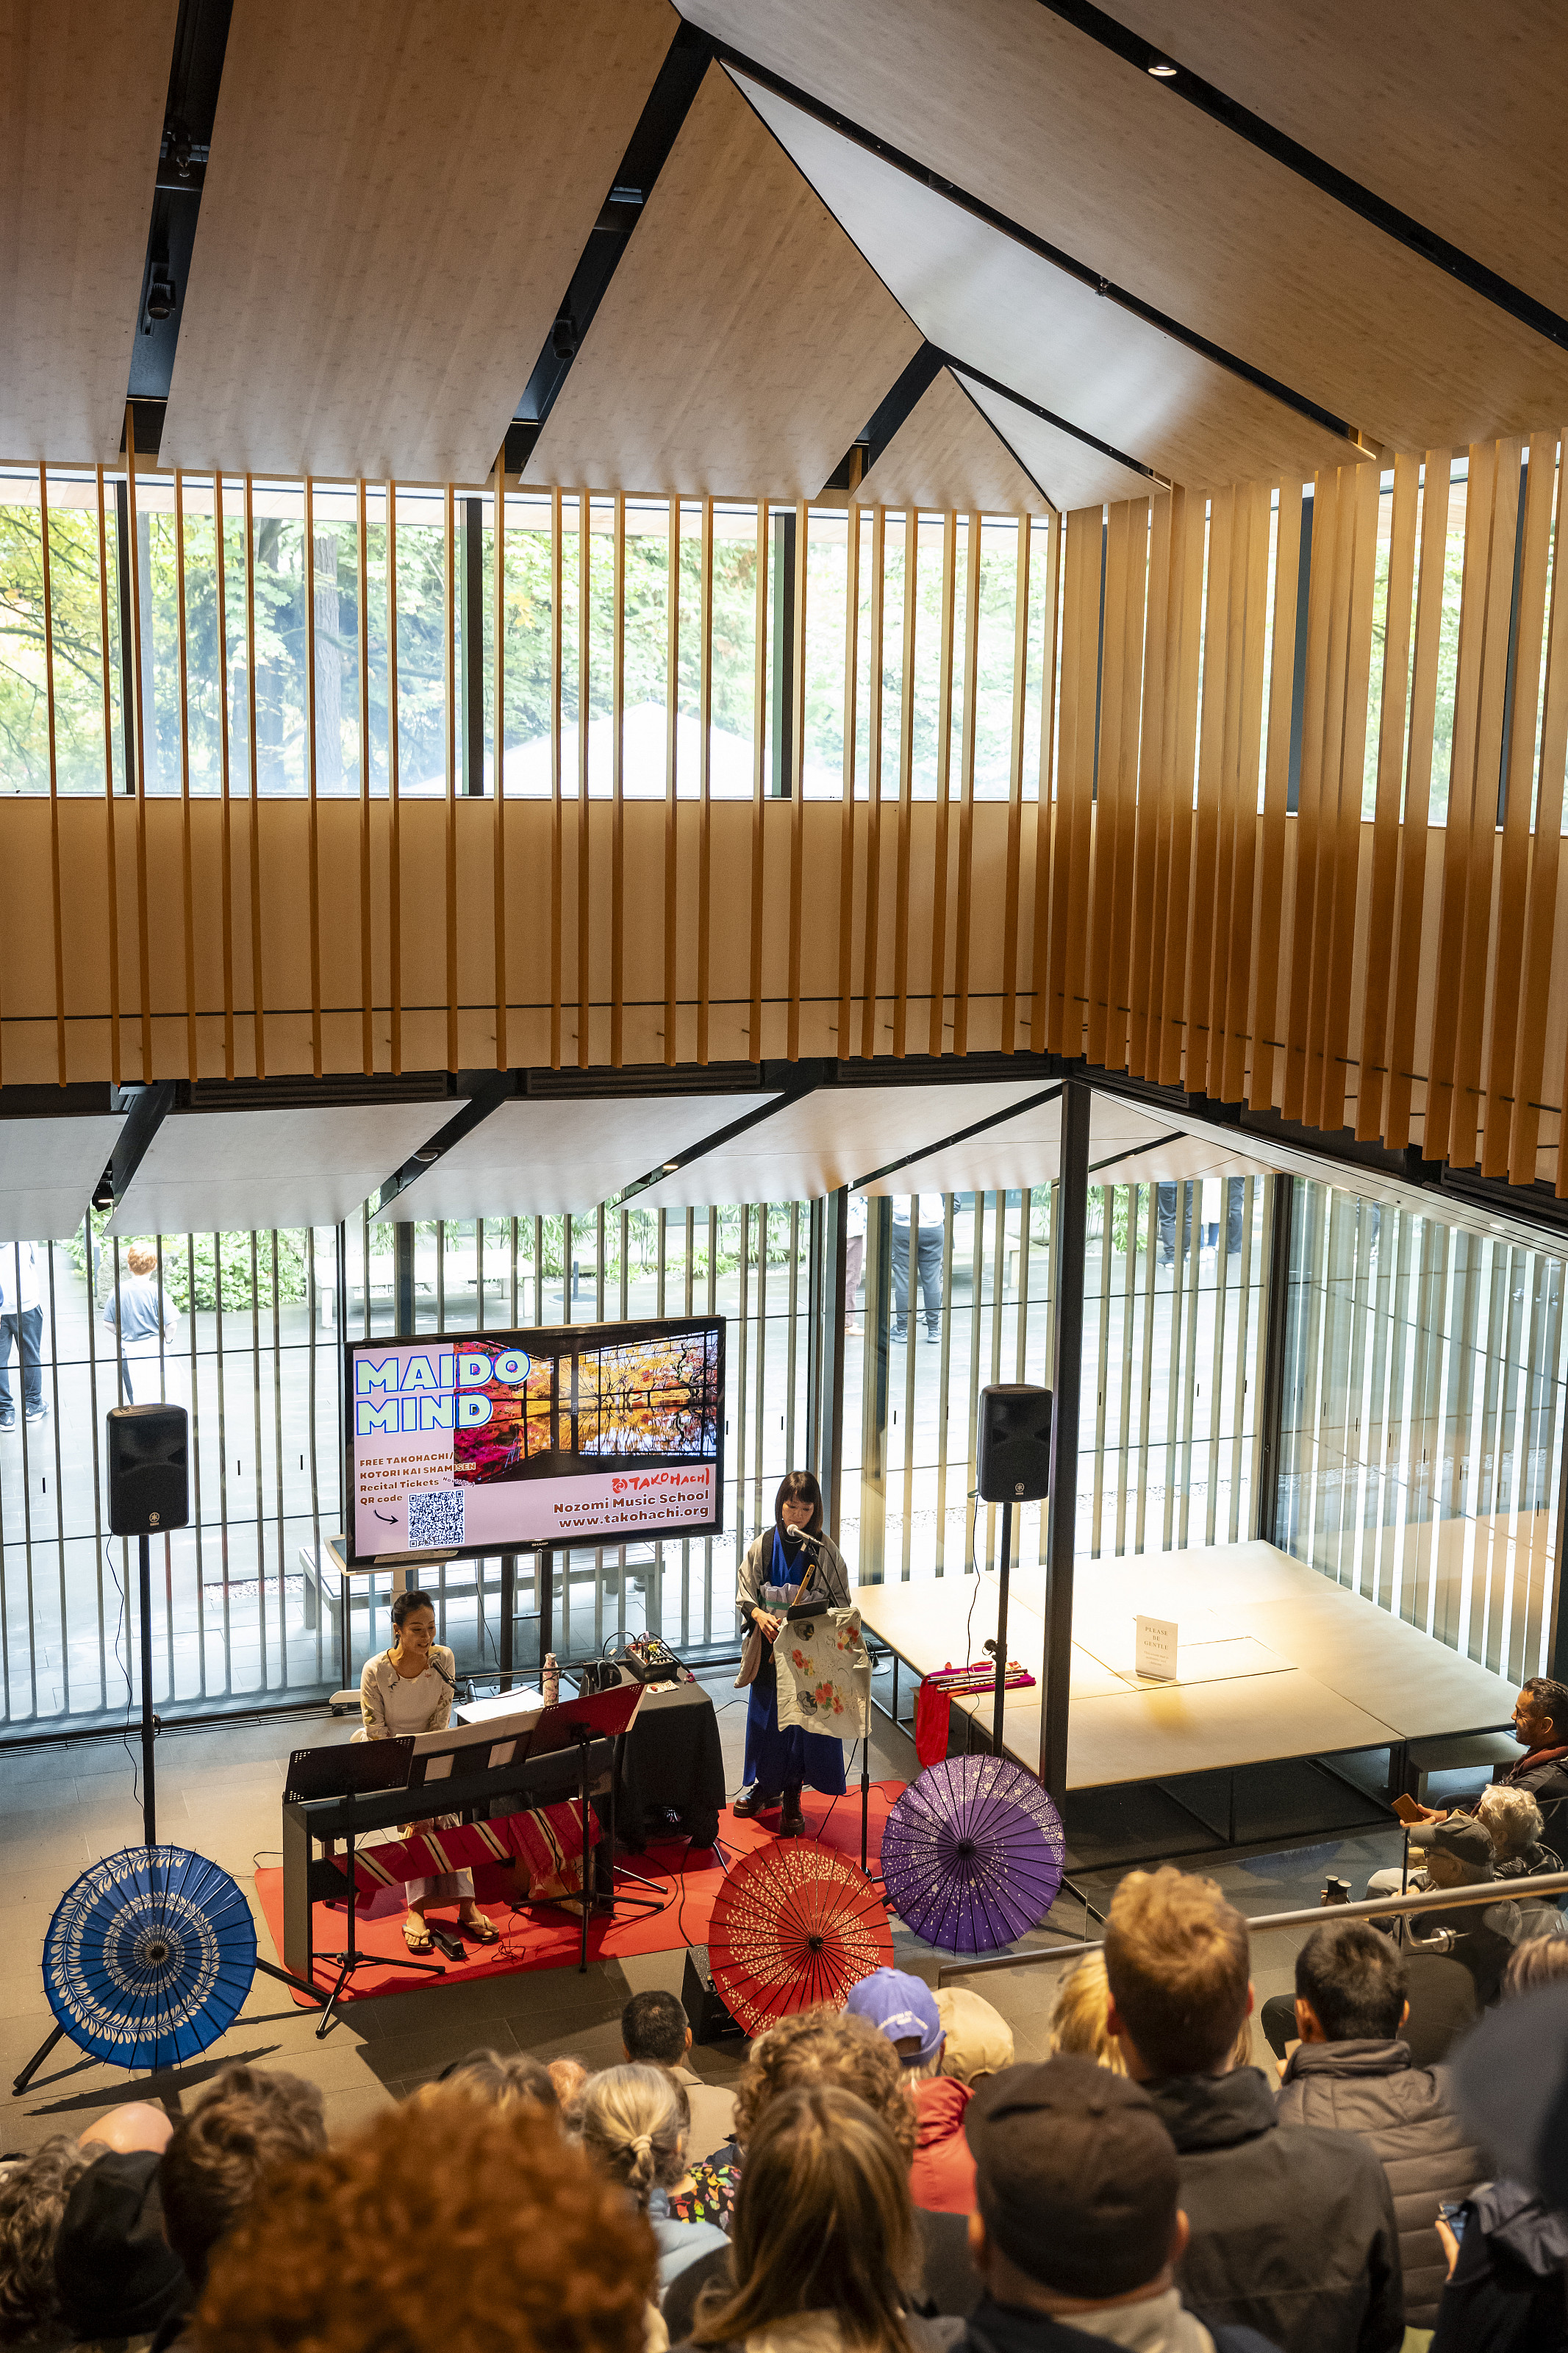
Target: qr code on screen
[[436, 1518]]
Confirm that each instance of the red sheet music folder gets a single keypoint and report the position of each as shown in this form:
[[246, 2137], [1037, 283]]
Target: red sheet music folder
[[603, 1715]]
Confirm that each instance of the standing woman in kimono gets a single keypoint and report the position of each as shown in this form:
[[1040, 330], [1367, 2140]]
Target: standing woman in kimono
[[781, 1568]]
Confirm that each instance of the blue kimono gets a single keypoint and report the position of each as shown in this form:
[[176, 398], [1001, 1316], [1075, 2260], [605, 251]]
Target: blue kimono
[[778, 1760]]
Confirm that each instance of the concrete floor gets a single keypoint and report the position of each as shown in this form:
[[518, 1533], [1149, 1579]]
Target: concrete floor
[[219, 1791]]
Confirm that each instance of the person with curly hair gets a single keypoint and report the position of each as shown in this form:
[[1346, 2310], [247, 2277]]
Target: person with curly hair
[[634, 2123], [459, 2223], [249, 2123], [33, 2199]]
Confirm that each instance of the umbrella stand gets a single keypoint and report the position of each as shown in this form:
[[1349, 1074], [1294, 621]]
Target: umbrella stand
[[284, 1977]]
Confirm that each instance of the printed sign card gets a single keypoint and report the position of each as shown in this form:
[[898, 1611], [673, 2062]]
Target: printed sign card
[[1157, 1648]]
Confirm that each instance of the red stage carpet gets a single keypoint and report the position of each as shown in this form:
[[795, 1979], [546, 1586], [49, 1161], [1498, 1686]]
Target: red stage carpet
[[548, 1939]]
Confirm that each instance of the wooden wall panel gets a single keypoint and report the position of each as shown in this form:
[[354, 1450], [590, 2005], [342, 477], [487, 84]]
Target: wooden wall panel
[[947, 453]]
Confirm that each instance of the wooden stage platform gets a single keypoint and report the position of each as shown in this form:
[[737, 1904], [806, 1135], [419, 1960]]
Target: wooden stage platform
[[1273, 1662]]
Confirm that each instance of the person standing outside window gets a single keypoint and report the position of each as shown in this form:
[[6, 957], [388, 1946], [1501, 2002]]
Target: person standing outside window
[[22, 1320], [146, 1324], [930, 1215]]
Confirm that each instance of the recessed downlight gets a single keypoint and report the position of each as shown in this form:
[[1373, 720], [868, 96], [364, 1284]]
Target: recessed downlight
[[1162, 69]]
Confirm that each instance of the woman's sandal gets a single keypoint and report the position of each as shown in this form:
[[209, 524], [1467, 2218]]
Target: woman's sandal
[[416, 1936], [481, 1928]]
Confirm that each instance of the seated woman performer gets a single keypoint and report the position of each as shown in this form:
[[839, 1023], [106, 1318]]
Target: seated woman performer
[[409, 1689], [780, 1568]]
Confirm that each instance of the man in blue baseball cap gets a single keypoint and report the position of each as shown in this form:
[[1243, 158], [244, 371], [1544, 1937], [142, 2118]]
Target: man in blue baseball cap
[[903, 2007]]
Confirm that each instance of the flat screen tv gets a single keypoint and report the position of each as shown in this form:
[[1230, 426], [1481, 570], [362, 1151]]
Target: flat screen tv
[[574, 1434]]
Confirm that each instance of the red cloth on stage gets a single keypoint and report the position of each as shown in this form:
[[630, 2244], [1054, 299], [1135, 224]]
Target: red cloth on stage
[[548, 1840], [941, 2178], [932, 1710]]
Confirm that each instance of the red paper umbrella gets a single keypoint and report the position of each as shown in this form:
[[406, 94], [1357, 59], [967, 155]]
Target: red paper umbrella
[[794, 1925]]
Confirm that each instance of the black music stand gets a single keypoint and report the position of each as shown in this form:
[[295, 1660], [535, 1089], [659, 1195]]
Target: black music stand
[[578, 1723], [350, 1770]]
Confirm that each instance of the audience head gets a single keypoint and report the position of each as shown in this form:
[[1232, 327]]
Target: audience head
[[115, 2272], [1176, 1963], [138, 2124], [654, 2031], [502, 2077], [633, 2122], [142, 1258], [568, 2075], [1350, 1984], [821, 2049], [1076, 2180], [1541, 1714], [1459, 1851], [977, 2038], [1511, 1820], [1079, 2024], [465, 2226], [33, 2199], [249, 2123], [1538, 1961], [822, 2222], [903, 2007]]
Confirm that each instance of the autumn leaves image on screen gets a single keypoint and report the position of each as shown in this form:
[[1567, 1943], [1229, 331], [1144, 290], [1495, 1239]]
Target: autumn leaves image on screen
[[628, 1401]]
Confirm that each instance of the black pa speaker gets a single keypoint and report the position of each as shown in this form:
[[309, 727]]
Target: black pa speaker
[[707, 2013], [149, 1486], [1014, 1464]]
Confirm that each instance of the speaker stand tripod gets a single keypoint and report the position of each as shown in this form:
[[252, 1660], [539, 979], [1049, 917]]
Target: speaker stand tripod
[[150, 1803]]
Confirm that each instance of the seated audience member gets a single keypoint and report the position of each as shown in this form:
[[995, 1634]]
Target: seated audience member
[[977, 2040], [459, 2224], [1079, 2022], [1509, 2257], [1541, 1726], [1482, 1935], [249, 2125], [568, 2075], [502, 2077], [1439, 1994], [903, 2009], [827, 2049], [1511, 1820], [1291, 2229], [115, 2272], [1079, 2230], [633, 2122], [1352, 2073], [655, 2034], [33, 2198], [135, 2124], [824, 2237]]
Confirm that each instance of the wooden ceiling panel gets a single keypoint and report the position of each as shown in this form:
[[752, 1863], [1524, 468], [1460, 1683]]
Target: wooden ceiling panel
[[393, 208], [1073, 473], [1452, 113], [987, 300], [1011, 104], [742, 344], [81, 116], [945, 454]]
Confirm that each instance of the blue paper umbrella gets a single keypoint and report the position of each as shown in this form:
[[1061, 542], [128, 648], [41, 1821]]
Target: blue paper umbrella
[[972, 1854], [149, 1957]]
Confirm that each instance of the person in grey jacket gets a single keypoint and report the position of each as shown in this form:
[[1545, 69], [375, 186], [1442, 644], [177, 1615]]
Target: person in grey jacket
[[1351, 2073]]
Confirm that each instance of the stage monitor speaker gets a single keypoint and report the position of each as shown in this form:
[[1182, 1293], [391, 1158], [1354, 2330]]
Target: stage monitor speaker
[[149, 1485], [1015, 1449], [706, 2011]]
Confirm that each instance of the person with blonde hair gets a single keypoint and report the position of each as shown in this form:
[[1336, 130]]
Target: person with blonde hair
[[1291, 2229], [823, 2236], [977, 2040], [1080, 2022], [633, 2122]]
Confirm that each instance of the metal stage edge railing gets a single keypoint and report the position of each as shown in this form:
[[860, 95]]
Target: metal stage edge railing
[[1380, 1907]]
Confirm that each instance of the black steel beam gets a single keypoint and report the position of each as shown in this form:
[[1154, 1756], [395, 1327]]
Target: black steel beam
[[1271, 1396]]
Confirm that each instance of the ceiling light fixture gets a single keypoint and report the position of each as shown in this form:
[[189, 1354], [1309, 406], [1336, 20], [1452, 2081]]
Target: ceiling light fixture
[[1162, 69], [427, 1155], [670, 1166]]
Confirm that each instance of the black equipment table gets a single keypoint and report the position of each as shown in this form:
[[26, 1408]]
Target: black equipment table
[[471, 1788], [671, 1763]]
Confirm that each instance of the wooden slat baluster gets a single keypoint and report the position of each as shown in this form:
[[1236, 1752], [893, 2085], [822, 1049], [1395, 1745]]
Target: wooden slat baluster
[[618, 785], [705, 785], [1372, 1090], [1266, 1073], [1045, 819], [759, 779], [110, 844], [671, 783], [906, 783], [967, 745], [1016, 787], [1414, 833], [938, 1031], [312, 776], [56, 912], [143, 944], [498, 814], [847, 811], [874, 782], [1535, 961], [257, 992], [797, 780]]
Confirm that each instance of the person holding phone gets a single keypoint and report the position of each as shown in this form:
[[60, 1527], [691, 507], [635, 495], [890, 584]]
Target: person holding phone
[[791, 1561]]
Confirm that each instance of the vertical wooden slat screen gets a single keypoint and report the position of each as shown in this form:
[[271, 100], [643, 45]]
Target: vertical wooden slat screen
[[1198, 907], [110, 851], [57, 921], [906, 786], [1513, 875], [1535, 961]]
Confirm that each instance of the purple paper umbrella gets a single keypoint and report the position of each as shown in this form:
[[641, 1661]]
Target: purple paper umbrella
[[972, 1854]]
